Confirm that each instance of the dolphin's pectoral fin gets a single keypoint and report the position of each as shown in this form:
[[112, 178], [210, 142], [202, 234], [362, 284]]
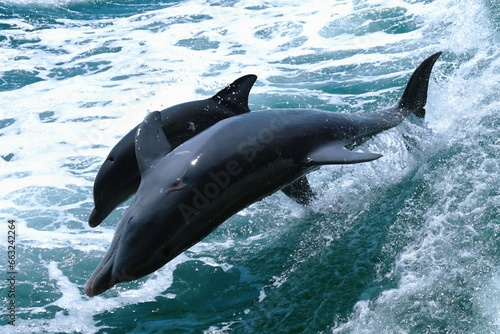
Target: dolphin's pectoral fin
[[337, 154], [300, 191], [150, 142]]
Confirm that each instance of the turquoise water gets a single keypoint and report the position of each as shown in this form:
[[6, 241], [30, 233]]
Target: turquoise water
[[406, 244]]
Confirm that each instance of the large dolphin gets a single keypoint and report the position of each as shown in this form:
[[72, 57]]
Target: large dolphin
[[118, 177], [187, 192]]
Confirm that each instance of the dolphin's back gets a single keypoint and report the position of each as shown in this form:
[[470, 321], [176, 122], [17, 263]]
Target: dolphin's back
[[294, 129]]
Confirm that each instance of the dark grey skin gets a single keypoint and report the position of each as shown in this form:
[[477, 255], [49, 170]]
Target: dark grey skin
[[118, 178], [231, 165]]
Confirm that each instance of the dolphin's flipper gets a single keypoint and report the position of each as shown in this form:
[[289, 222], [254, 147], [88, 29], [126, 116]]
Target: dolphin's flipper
[[415, 95], [336, 153], [151, 143], [300, 191], [235, 95]]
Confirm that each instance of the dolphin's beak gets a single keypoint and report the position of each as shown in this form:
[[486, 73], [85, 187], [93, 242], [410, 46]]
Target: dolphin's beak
[[102, 278], [121, 263], [95, 218]]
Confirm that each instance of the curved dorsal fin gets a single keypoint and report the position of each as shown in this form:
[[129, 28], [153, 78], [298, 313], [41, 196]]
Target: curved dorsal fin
[[415, 95], [235, 95], [150, 142]]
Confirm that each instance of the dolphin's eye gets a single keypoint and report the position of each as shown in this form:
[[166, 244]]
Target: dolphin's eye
[[177, 185]]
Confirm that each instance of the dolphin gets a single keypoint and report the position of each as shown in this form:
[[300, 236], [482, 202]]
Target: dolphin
[[187, 192], [118, 177]]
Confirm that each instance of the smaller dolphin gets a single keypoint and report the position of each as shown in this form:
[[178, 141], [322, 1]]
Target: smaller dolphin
[[118, 177], [187, 192]]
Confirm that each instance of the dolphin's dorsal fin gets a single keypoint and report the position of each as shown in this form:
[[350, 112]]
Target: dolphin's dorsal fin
[[415, 95], [150, 142], [336, 153], [235, 95]]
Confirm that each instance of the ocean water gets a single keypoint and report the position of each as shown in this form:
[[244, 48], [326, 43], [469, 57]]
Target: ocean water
[[409, 243]]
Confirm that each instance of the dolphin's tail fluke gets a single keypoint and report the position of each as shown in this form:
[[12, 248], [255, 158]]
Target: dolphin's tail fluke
[[415, 95]]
